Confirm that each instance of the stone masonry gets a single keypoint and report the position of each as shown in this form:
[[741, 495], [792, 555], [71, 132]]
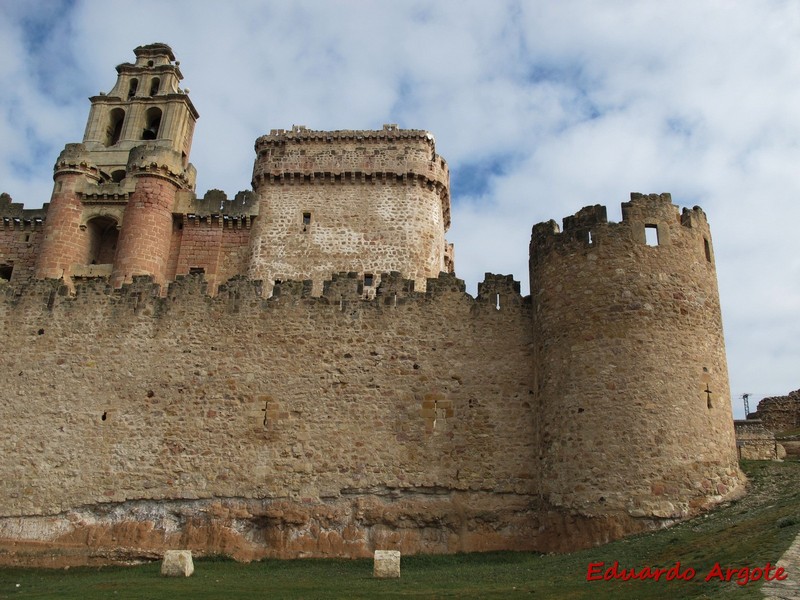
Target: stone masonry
[[779, 413], [297, 371]]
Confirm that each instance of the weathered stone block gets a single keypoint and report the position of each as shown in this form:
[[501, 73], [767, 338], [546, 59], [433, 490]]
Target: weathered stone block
[[386, 564], [178, 563]]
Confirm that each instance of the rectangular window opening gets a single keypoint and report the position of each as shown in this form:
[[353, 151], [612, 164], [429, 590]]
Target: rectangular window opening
[[306, 218], [196, 270], [368, 279], [708, 249], [651, 235], [497, 301], [5, 272]]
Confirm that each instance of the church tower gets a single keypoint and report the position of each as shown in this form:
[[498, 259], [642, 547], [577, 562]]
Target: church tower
[[111, 209]]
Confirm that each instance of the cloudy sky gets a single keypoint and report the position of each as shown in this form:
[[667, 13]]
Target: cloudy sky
[[540, 107]]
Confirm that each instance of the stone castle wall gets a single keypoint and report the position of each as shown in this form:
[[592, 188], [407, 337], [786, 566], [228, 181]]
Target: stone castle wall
[[20, 235], [417, 402], [756, 442], [265, 421], [779, 413]]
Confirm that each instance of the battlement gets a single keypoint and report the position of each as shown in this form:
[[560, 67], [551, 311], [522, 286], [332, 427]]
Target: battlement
[[143, 291], [299, 133], [647, 220], [215, 203], [15, 215], [388, 155]]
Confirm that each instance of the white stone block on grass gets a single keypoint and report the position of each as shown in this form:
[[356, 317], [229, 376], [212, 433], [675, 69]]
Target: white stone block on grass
[[386, 564], [177, 563]]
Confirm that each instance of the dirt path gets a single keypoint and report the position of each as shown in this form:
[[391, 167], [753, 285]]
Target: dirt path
[[788, 589]]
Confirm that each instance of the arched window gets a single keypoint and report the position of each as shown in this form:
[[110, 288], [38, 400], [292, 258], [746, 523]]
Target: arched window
[[103, 237], [155, 83], [152, 123], [114, 129], [133, 87]]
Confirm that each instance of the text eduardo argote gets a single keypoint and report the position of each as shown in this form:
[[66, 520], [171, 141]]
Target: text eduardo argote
[[598, 571]]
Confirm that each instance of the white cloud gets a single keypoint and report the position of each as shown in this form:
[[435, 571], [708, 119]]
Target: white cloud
[[543, 107]]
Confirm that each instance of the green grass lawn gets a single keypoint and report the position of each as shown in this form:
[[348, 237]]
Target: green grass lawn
[[747, 533]]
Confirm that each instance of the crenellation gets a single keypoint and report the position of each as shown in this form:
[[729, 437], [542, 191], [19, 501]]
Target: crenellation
[[694, 217], [445, 283], [302, 358], [585, 219], [292, 289], [394, 288], [242, 206], [493, 284], [15, 213], [650, 208], [343, 287]]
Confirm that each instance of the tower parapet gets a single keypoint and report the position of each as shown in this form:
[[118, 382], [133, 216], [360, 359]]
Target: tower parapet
[[630, 369], [332, 201]]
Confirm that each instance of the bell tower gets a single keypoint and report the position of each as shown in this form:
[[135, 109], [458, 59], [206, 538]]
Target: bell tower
[[111, 209], [145, 105]]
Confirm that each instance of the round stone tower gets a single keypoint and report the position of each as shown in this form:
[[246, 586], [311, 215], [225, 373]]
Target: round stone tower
[[145, 238], [65, 242], [634, 408]]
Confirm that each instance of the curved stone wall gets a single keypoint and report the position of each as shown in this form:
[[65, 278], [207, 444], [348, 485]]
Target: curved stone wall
[[630, 369]]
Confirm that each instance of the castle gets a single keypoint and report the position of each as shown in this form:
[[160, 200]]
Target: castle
[[298, 372]]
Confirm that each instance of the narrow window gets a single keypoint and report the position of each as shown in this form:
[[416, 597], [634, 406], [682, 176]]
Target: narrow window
[[152, 123], [497, 302], [590, 238], [306, 218], [154, 85], [368, 279], [708, 249], [133, 87], [651, 235]]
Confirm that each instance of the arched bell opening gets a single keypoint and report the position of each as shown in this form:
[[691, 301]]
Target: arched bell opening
[[114, 129], [152, 123]]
